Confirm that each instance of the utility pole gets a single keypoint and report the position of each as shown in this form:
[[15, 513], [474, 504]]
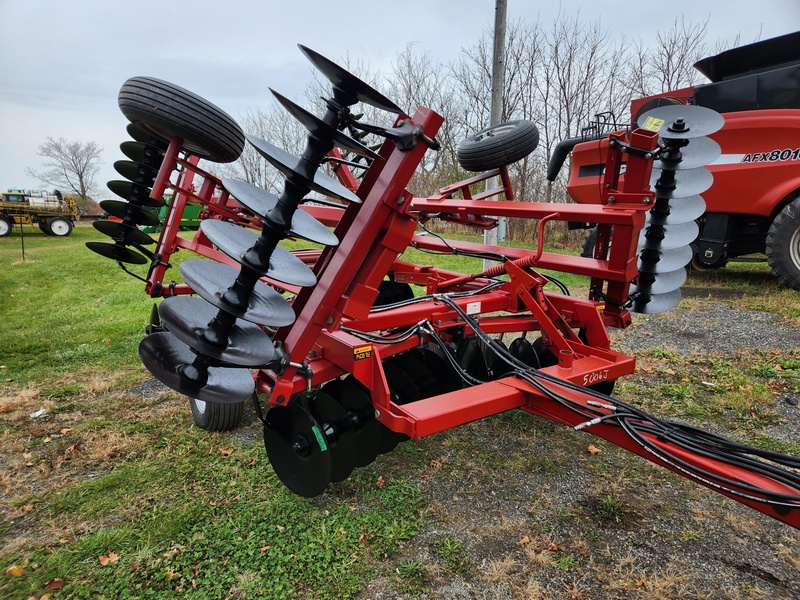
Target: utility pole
[[498, 78]]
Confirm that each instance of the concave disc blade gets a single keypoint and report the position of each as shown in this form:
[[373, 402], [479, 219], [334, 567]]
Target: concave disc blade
[[498, 366], [681, 210], [287, 164], [657, 303], [117, 252], [522, 350], [339, 434], [687, 183], [210, 280], [402, 391], [126, 233], [472, 360], [699, 153], [142, 135], [135, 214], [235, 241], [675, 236], [422, 376], [349, 83], [260, 201], [446, 378], [357, 403], [322, 130], [247, 345], [136, 172], [136, 193], [697, 121], [665, 282], [297, 450], [142, 153], [166, 358], [668, 260]]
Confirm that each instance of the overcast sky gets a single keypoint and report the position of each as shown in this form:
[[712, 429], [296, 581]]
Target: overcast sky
[[62, 63]]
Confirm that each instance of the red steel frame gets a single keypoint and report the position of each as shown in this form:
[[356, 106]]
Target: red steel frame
[[372, 237]]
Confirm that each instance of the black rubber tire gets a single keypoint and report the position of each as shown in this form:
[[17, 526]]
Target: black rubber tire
[[783, 245], [588, 244], [43, 228], [211, 416], [5, 226], [498, 146], [168, 110], [59, 226]]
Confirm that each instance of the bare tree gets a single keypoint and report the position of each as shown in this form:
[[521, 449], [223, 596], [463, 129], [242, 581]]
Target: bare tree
[[70, 166]]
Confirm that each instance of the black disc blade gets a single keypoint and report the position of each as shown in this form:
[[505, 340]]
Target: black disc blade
[[124, 233], [297, 450], [142, 135], [665, 282], [675, 236], [681, 210], [522, 350], [322, 130], [135, 214], [422, 376], [354, 398], [349, 83], [117, 252], [235, 241], [447, 379], [136, 172], [472, 360], [139, 152], [699, 153], [687, 183], [681, 122], [260, 201], [134, 192], [339, 434], [668, 260], [287, 164], [656, 303], [187, 318], [211, 280], [170, 361]]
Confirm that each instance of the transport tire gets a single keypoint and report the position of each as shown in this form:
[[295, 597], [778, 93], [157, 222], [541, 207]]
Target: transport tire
[[5, 226], [216, 417], [59, 226], [588, 244], [168, 110], [498, 146], [783, 245]]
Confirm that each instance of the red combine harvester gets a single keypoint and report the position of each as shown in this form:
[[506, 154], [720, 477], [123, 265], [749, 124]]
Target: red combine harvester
[[348, 360]]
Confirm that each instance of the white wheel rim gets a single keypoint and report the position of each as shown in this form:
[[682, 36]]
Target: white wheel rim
[[4, 227], [59, 227], [794, 248]]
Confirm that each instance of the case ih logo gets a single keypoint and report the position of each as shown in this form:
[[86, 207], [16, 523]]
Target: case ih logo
[[774, 156]]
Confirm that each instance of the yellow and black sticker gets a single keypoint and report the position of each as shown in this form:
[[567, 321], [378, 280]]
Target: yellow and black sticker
[[653, 124], [362, 352]]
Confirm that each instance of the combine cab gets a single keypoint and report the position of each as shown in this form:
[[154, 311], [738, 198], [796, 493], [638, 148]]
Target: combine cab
[[54, 213]]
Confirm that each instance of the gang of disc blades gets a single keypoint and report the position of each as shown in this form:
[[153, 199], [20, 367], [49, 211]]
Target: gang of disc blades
[[135, 214], [675, 236], [349, 83], [665, 282], [357, 403], [668, 260], [681, 210], [210, 280], [117, 252], [698, 121], [339, 435], [322, 130], [167, 358], [235, 241], [658, 303], [297, 450], [123, 233], [261, 202], [136, 172], [187, 318], [699, 152], [687, 183], [287, 164], [138, 193]]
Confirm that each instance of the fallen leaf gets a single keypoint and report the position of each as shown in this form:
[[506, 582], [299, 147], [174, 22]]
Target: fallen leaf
[[4, 409], [54, 584], [639, 582], [524, 541], [172, 574], [111, 558], [280, 527], [75, 448], [226, 451], [594, 449], [380, 483], [552, 547], [106, 340], [15, 571], [264, 548], [362, 538], [341, 532]]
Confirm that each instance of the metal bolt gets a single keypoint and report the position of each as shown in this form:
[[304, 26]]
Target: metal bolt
[[645, 200], [377, 414], [611, 200]]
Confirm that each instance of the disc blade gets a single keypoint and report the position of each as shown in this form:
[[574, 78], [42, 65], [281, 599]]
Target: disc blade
[[657, 303], [675, 236], [472, 360], [297, 450], [687, 183], [322, 130], [666, 260], [287, 164], [665, 282], [136, 172], [357, 403], [142, 135], [447, 379], [422, 376], [187, 318], [235, 241], [700, 152], [349, 83], [339, 434], [124, 233], [210, 280], [522, 350], [167, 358], [134, 214], [261, 202], [139, 152], [117, 252], [135, 193], [681, 121], [681, 210]]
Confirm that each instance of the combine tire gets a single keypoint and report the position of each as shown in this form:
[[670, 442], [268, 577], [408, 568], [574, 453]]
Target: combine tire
[[5, 226], [498, 146], [783, 245], [59, 226], [216, 417], [168, 110]]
